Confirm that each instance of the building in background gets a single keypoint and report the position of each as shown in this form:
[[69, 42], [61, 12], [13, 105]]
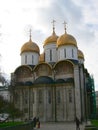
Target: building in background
[[52, 85]]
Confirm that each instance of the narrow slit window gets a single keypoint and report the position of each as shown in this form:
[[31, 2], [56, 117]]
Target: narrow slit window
[[49, 97], [32, 59], [50, 55], [25, 59], [65, 53], [58, 96], [72, 53], [70, 96]]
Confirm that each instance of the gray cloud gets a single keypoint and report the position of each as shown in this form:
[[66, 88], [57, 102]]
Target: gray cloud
[[72, 13], [64, 10]]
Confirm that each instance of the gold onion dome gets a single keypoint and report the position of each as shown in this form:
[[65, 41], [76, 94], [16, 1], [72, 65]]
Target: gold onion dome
[[30, 47], [51, 39], [80, 54], [66, 39]]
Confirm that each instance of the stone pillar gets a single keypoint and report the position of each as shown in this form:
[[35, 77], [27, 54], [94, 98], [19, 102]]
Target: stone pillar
[[77, 92], [82, 93], [45, 104]]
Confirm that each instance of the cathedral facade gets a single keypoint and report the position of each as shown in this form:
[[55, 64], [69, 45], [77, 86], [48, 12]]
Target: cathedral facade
[[51, 85]]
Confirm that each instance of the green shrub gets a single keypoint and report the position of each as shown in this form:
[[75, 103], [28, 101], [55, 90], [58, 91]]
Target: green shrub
[[5, 124], [94, 122]]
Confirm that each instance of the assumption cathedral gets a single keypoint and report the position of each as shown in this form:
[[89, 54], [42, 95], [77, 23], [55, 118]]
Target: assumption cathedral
[[51, 85]]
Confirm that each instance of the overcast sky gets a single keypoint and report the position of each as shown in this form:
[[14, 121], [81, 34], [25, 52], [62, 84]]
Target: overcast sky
[[18, 16]]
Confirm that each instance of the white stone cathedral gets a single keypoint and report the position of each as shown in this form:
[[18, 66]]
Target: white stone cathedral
[[51, 85]]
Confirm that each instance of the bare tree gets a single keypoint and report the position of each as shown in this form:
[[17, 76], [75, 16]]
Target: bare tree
[[3, 79]]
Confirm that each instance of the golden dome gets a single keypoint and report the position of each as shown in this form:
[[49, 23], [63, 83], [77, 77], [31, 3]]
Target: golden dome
[[30, 47], [42, 57], [80, 54], [51, 39], [66, 39]]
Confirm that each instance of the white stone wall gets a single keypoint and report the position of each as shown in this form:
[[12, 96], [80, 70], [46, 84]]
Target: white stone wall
[[68, 48], [30, 61], [82, 91], [65, 110], [47, 49]]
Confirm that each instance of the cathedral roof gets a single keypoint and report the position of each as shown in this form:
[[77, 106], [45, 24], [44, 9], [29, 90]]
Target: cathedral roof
[[30, 47], [66, 39]]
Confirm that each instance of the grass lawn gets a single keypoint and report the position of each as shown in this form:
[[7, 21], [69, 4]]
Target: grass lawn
[[94, 122], [5, 124]]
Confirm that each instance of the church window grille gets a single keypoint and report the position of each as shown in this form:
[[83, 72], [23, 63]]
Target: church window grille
[[49, 97], [50, 55], [70, 96], [25, 59]]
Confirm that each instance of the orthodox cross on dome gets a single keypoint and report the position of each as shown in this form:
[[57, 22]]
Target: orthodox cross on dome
[[30, 33], [53, 25], [65, 26]]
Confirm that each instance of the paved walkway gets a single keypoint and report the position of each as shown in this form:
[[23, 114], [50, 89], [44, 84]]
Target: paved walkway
[[60, 126]]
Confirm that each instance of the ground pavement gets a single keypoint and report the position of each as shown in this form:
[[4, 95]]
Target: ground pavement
[[60, 126]]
